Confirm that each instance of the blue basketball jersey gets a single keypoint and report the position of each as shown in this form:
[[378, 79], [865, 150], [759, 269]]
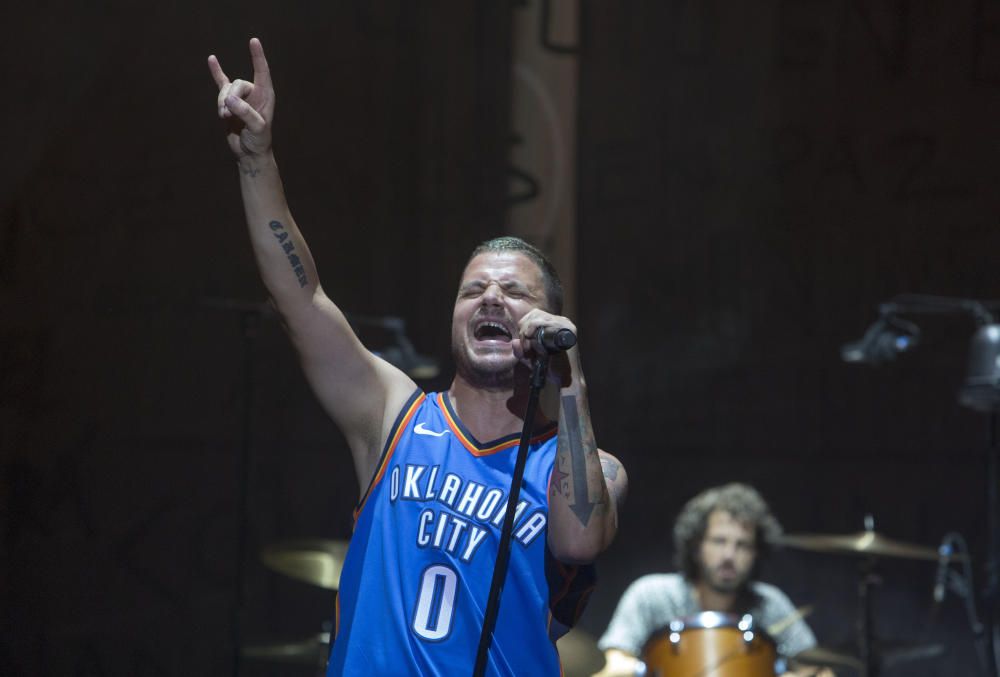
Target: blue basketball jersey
[[416, 580]]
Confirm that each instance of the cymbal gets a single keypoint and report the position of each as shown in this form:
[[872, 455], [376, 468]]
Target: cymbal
[[310, 651], [314, 561], [826, 658], [887, 654], [579, 654], [893, 653], [861, 543]]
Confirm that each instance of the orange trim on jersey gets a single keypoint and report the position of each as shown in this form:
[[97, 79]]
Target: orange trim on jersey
[[569, 574], [567, 581], [336, 618], [471, 445], [390, 450]]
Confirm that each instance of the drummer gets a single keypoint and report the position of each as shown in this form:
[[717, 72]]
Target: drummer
[[720, 538]]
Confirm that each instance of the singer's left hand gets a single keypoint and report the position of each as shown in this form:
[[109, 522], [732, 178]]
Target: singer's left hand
[[525, 346]]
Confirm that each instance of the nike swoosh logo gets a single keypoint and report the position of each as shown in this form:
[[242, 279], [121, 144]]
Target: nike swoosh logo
[[421, 430]]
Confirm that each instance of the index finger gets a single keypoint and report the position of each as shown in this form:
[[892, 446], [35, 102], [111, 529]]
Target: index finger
[[216, 70], [261, 73]]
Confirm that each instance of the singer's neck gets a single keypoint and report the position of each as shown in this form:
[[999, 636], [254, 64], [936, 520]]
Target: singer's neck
[[490, 414]]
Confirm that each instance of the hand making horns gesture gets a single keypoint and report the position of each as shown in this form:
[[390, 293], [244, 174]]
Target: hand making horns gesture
[[247, 107]]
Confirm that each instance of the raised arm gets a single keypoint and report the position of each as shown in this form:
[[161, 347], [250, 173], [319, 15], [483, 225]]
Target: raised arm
[[588, 485], [361, 392]]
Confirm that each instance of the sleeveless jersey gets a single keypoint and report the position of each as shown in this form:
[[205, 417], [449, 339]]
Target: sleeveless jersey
[[415, 583]]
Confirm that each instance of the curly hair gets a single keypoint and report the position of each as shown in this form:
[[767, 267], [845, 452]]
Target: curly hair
[[507, 243], [741, 501]]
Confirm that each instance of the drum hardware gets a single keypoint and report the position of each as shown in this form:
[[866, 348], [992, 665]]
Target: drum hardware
[[872, 654], [788, 621], [708, 620], [317, 561]]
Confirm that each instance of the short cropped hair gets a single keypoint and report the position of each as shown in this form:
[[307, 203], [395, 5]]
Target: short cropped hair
[[741, 501], [508, 243]]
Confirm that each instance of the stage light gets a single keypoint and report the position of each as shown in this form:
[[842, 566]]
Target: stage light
[[886, 338], [981, 390]]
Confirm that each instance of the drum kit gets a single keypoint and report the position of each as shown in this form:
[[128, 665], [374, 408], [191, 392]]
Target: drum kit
[[709, 644], [726, 645]]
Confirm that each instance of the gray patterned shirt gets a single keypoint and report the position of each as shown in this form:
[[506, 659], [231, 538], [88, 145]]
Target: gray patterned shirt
[[652, 601]]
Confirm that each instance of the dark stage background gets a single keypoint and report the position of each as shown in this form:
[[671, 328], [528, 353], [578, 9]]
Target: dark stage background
[[753, 178]]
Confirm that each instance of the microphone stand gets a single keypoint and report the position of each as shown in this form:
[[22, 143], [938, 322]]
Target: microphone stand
[[992, 587], [539, 369], [250, 313], [250, 324]]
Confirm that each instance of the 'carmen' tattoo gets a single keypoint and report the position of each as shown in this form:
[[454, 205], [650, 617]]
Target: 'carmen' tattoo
[[289, 248], [577, 449]]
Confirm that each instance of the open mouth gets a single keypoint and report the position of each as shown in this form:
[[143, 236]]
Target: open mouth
[[489, 330]]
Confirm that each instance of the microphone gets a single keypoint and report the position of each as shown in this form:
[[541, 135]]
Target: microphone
[[555, 340], [941, 579]]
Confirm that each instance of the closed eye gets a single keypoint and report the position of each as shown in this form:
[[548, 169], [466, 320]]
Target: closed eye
[[471, 289], [516, 290]]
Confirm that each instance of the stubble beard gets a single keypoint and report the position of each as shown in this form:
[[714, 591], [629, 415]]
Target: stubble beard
[[497, 378], [723, 587]]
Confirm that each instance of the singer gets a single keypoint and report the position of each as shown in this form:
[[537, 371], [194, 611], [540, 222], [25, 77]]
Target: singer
[[433, 469]]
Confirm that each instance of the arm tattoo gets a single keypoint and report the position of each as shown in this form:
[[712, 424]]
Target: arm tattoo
[[285, 241], [247, 166], [571, 472], [616, 490]]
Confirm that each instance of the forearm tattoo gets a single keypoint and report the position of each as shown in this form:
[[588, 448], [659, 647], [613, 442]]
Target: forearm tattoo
[[285, 240], [577, 448]]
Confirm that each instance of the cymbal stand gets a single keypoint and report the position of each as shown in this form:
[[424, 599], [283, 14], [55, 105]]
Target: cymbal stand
[[250, 324], [870, 663], [870, 660]]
